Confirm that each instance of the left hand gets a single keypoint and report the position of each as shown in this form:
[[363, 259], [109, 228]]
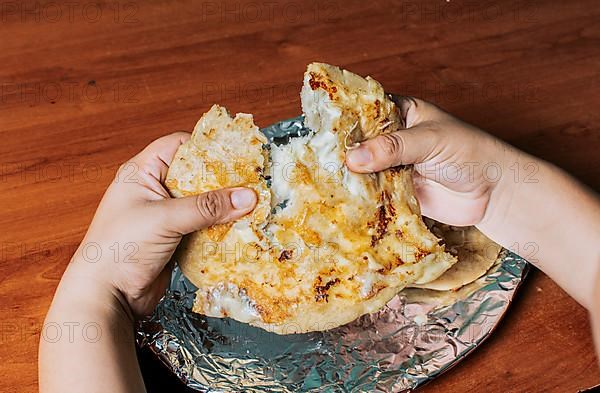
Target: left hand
[[138, 226]]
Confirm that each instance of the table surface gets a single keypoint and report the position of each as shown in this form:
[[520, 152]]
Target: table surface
[[86, 85]]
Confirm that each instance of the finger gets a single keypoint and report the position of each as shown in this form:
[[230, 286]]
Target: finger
[[416, 111], [156, 158], [415, 144], [410, 146], [189, 214]]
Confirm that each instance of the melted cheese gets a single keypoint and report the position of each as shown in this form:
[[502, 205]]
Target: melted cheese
[[324, 245]]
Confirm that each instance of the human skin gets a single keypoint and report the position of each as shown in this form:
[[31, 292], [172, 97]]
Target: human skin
[[525, 206], [121, 270], [464, 176]]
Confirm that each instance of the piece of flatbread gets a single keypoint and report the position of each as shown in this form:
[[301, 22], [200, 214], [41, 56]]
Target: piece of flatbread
[[325, 245], [476, 254]]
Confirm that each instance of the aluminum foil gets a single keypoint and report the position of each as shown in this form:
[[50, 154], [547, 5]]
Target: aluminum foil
[[417, 336]]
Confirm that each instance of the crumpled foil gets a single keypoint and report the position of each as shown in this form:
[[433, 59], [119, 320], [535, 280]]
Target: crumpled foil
[[417, 336]]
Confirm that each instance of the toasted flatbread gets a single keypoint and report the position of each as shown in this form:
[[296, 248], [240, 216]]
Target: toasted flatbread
[[476, 254], [325, 245]]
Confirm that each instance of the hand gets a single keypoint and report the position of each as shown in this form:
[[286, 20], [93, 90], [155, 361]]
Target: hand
[[138, 226], [121, 270], [458, 168], [464, 176]]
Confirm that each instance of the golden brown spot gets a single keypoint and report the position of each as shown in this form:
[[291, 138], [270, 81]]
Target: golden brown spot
[[318, 84], [271, 309], [285, 255], [420, 254], [171, 184], [246, 174], [375, 289], [399, 261], [383, 216], [210, 133], [322, 291], [391, 265], [310, 236], [217, 232], [301, 174]]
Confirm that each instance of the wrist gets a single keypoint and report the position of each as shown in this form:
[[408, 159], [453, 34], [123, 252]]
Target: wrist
[[86, 289], [87, 336]]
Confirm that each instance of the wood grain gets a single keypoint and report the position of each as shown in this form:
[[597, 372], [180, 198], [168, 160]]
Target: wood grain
[[84, 91]]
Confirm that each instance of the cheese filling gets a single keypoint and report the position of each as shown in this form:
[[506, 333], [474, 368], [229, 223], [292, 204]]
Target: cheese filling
[[324, 244]]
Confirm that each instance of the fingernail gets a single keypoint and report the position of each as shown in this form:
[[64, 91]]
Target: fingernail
[[242, 198], [361, 156]]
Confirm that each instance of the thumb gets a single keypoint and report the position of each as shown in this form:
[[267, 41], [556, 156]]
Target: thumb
[[189, 214], [411, 146]]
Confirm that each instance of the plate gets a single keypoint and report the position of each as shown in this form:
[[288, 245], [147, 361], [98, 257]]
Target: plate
[[417, 336]]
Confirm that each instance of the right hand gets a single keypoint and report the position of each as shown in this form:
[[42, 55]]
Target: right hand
[[459, 169]]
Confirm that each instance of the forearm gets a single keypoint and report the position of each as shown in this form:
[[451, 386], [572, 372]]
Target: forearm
[[133, 235], [550, 219], [87, 342]]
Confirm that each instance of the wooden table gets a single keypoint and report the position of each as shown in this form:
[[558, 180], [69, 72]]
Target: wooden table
[[85, 85]]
